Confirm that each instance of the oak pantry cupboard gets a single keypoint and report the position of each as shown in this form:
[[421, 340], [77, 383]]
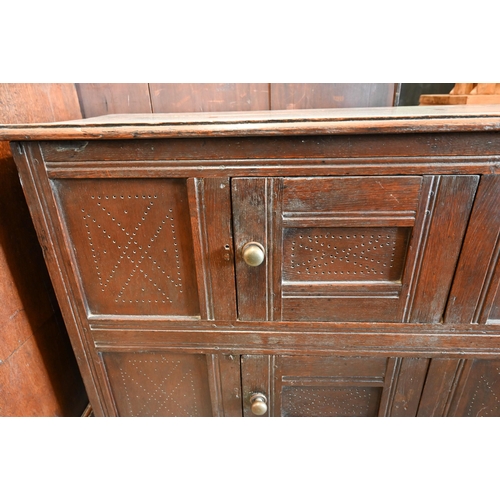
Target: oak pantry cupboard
[[283, 263]]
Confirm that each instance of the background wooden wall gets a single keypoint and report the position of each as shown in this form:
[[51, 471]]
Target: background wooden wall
[[38, 371], [99, 99]]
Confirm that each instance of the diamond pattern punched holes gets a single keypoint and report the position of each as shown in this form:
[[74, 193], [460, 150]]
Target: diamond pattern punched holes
[[159, 385], [485, 400], [134, 247], [330, 401], [345, 254]]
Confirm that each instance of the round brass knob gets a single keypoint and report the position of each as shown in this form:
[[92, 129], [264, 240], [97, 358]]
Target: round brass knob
[[253, 254], [259, 404]]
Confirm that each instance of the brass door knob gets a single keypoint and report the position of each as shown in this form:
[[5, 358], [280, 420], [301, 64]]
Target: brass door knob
[[258, 404], [253, 254]]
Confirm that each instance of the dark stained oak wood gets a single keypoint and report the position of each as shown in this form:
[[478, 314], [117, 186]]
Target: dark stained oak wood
[[418, 119], [159, 384], [477, 393], [363, 217], [440, 385], [210, 204], [410, 381], [257, 377], [452, 206], [317, 386], [478, 257]]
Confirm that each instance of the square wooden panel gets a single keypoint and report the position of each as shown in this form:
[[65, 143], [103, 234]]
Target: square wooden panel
[[132, 244], [159, 384]]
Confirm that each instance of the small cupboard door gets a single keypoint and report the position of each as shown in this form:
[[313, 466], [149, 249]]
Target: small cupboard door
[[331, 386], [348, 248], [173, 384]]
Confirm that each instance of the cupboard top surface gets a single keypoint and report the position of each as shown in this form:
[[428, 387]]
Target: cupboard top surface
[[283, 122]]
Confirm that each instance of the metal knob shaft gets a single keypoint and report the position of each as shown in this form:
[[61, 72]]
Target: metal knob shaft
[[258, 404], [253, 254]]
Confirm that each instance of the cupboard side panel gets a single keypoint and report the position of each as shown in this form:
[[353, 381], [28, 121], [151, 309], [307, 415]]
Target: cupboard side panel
[[449, 222]]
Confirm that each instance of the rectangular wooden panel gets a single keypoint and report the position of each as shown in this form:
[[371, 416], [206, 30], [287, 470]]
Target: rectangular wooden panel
[[328, 386], [211, 221], [331, 95], [345, 254], [408, 387], [478, 391], [196, 97], [231, 390], [350, 196], [454, 199], [343, 261], [256, 218], [350, 306], [439, 387], [330, 401], [153, 384], [132, 245], [331, 366], [399, 153], [478, 257]]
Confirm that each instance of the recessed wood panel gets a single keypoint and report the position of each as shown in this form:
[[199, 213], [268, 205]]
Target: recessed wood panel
[[328, 386], [344, 195], [470, 297], [344, 254], [159, 384], [330, 401], [132, 244], [478, 390]]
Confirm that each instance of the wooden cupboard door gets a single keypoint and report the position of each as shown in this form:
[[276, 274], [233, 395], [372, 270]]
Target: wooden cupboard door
[[131, 244], [159, 384], [173, 384], [349, 248], [334, 386], [462, 388]]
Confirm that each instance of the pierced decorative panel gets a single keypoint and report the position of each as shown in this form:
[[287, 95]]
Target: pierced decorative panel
[[330, 401], [481, 394], [132, 243], [345, 254], [159, 385]]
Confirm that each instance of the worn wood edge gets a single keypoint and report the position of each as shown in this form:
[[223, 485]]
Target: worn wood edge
[[167, 324], [388, 343], [32, 181], [88, 412], [405, 119]]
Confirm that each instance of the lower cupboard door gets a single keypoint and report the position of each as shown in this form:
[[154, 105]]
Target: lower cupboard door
[[173, 384], [332, 386]]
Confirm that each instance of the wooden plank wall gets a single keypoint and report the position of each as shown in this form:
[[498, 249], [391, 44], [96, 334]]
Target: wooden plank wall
[[38, 371], [99, 99]]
